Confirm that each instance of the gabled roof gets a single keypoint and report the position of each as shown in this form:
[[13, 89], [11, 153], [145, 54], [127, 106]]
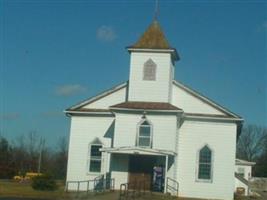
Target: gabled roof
[[206, 100], [86, 110], [79, 106], [139, 105]]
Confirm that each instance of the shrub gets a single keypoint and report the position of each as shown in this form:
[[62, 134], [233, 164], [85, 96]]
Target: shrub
[[44, 182]]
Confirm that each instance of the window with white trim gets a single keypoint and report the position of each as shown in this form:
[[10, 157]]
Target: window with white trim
[[149, 73], [144, 134], [241, 171], [205, 164], [95, 158]]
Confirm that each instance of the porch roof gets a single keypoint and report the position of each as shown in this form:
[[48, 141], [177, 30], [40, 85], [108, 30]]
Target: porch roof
[[138, 151]]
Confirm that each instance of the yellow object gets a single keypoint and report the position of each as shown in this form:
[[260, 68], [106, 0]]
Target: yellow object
[[17, 178], [28, 176]]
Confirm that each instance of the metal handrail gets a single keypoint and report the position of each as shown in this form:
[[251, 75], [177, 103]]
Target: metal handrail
[[174, 187], [103, 187], [133, 189], [78, 185]]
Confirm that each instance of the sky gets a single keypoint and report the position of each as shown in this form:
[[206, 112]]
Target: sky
[[56, 53]]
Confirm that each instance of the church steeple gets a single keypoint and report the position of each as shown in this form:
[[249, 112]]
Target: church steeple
[[154, 38]]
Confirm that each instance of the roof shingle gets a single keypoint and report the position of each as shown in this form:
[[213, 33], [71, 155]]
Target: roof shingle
[[153, 38], [146, 105]]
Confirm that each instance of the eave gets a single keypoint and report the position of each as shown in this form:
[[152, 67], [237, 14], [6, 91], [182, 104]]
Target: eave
[[172, 51]]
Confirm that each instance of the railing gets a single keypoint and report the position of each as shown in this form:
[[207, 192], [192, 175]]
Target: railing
[[172, 186], [79, 184], [99, 184], [134, 189]]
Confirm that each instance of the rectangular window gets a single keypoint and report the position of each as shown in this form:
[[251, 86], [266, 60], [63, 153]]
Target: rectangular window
[[144, 135], [241, 171], [95, 158]]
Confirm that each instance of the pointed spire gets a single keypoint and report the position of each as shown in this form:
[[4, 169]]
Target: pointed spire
[[153, 38], [156, 14]]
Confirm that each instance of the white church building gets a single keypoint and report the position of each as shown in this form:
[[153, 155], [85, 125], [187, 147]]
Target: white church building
[[151, 121]]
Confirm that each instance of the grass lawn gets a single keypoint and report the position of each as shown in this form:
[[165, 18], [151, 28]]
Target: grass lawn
[[15, 189]]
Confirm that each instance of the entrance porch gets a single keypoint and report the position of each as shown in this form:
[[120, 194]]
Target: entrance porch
[[136, 164]]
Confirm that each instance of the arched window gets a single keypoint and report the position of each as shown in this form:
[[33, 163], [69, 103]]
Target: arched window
[[95, 156], [149, 70], [144, 134], [205, 163]]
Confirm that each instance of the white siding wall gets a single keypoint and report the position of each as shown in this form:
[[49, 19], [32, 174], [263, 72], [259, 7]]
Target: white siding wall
[[155, 91], [191, 104], [119, 169], [164, 130], [239, 184], [83, 131], [221, 138], [247, 170], [114, 98]]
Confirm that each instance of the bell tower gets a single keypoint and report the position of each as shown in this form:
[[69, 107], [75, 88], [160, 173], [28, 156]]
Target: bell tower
[[152, 62]]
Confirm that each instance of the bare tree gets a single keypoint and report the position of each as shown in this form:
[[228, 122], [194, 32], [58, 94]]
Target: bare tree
[[33, 150], [251, 142]]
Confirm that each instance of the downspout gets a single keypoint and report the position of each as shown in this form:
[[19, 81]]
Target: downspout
[[176, 147], [166, 172]]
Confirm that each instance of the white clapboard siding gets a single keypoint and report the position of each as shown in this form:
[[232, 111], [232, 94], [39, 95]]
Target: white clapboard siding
[[116, 97], [164, 130], [190, 103], [83, 131], [221, 138], [144, 90], [247, 170], [240, 184], [119, 169]]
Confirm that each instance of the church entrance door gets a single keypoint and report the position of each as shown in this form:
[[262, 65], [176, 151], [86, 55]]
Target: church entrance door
[[141, 170]]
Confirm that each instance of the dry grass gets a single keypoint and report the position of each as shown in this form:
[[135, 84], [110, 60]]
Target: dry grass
[[24, 190], [15, 189]]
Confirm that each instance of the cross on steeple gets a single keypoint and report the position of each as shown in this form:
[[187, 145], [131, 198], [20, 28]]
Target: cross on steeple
[[156, 14]]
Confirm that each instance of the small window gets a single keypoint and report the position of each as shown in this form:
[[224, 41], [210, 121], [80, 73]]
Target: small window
[[95, 158], [144, 135], [205, 163], [149, 70], [241, 171]]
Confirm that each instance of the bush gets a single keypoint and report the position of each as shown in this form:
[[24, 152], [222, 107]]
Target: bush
[[44, 182]]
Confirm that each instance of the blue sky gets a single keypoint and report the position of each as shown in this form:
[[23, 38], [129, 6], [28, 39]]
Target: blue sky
[[56, 53]]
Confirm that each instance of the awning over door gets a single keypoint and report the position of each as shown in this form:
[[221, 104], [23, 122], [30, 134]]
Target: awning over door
[[138, 150]]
